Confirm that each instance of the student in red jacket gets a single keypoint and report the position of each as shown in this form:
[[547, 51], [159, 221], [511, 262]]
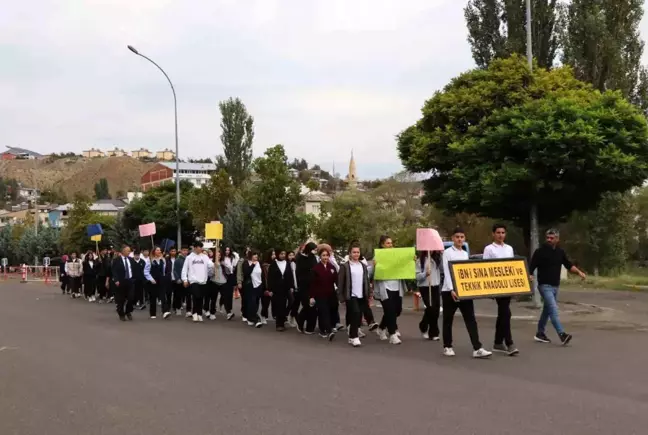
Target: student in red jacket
[[322, 290]]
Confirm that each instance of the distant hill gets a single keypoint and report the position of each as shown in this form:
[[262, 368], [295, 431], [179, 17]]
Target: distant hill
[[77, 174]]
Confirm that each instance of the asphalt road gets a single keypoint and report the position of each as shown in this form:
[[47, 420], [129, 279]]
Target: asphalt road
[[70, 367]]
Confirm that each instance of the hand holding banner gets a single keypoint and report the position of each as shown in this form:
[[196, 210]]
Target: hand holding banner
[[428, 239], [147, 230], [395, 263]]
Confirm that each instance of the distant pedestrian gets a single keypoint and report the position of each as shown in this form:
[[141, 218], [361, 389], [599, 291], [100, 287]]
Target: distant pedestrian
[[503, 335], [74, 272], [390, 294], [155, 275], [121, 275], [252, 284], [196, 271], [90, 271], [281, 282], [321, 291], [428, 280], [549, 260]]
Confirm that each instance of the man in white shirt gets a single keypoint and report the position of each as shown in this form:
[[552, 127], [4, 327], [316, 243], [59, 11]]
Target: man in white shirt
[[503, 337], [451, 302], [197, 269]]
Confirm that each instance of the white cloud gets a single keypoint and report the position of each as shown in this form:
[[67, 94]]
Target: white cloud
[[320, 76]]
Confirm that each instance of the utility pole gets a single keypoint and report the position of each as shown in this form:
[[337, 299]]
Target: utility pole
[[534, 240], [36, 221]]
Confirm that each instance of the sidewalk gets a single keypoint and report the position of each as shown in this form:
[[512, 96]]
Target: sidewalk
[[599, 309]]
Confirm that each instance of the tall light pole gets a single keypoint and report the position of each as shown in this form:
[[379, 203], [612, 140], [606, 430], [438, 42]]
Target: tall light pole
[[177, 155], [533, 218]]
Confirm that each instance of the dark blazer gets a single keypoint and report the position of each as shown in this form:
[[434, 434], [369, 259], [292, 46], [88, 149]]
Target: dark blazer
[[138, 272], [280, 282], [91, 271], [118, 273], [323, 280], [344, 282]]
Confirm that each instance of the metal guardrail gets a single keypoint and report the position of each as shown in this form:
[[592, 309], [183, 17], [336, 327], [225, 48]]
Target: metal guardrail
[[26, 273]]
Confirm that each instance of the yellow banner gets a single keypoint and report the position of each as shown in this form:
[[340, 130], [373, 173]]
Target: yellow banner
[[214, 231], [490, 278], [96, 238]]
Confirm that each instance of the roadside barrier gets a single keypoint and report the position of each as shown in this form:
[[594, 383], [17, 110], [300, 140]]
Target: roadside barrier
[[44, 274]]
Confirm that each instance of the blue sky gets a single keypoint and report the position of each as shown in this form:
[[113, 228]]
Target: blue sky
[[321, 77]]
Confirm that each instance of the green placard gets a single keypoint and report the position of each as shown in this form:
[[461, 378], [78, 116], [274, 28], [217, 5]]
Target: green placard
[[395, 263]]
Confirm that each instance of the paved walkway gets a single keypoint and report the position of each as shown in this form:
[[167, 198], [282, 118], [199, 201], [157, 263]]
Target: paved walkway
[[70, 367]]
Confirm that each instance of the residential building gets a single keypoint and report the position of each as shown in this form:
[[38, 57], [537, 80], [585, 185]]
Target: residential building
[[313, 200], [14, 153], [28, 193], [141, 153], [117, 152], [167, 155], [294, 172], [131, 196], [104, 207], [164, 172], [92, 153], [18, 217]]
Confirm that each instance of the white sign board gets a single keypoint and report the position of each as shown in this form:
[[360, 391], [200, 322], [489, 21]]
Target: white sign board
[[5, 262], [46, 261]]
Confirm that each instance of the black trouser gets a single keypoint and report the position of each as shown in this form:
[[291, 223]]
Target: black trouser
[[324, 314], [89, 285], [265, 306], [74, 284], [243, 302], [198, 295], [307, 314], [467, 309], [124, 297], [231, 284], [252, 295], [430, 321], [355, 309], [65, 284], [138, 289], [158, 291], [280, 308], [294, 304], [334, 305], [178, 294], [503, 323], [365, 312], [101, 287], [226, 296], [212, 292], [392, 308]]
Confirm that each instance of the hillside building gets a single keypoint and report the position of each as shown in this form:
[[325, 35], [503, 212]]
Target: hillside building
[[104, 207], [93, 152], [141, 153], [166, 155], [197, 174], [14, 153], [117, 152]]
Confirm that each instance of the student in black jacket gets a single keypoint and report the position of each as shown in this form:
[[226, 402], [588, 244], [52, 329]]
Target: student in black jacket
[[102, 274], [122, 272], [155, 275], [90, 272], [306, 261], [139, 280], [281, 283]]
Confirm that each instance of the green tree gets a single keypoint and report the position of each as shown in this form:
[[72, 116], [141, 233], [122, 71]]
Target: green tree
[[37, 246], [119, 234], [210, 202], [237, 136], [159, 205], [275, 202], [505, 141], [603, 44], [57, 196], [238, 222], [74, 236], [6, 241], [101, 189], [497, 29]]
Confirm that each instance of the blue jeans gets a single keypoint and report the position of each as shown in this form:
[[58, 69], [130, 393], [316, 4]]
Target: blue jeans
[[549, 309]]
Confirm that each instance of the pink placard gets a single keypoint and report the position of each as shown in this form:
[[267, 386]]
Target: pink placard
[[147, 229], [428, 239]]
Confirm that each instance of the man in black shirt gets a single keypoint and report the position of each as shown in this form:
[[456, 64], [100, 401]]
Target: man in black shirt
[[549, 260]]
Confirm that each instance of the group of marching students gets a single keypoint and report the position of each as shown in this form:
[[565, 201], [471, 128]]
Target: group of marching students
[[303, 290]]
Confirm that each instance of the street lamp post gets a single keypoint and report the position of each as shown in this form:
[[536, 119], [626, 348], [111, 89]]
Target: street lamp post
[[177, 156]]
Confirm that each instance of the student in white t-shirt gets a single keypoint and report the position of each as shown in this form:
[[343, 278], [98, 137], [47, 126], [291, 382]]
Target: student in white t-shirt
[[503, 337]]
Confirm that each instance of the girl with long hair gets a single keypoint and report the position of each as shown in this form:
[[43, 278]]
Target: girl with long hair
[[428, 280], [322, 289], [390, 294], [266, 299], [90, 271], [252, 282], [281, 282], [154, 273]]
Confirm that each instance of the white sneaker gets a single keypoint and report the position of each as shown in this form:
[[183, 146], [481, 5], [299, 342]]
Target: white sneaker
[[355, 342], [205, 313], [195, 317], [258, 324], [200, 318], [361, 334], [293, 322], [382, 334], [482, 353], [339, 327], [212, 317], [393, 339], [425, 336], [437, 338], [166, 315], [188, 315], [230, 316], [244, 320], [250, 323], [264, 321], [398, 334], [178, 312], [153, 317], [448, 351]]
